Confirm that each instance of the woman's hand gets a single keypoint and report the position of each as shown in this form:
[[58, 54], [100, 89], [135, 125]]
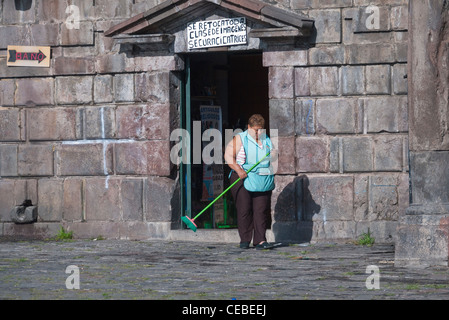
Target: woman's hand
[[242, 174]]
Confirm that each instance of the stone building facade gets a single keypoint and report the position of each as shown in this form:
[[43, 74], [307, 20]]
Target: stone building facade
[[88, 140]]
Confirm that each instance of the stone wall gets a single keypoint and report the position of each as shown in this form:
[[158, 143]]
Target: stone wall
[[87, 140], [340, 105]]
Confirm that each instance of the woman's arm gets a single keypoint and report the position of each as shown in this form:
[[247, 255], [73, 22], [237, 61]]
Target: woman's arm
[[231, 154]]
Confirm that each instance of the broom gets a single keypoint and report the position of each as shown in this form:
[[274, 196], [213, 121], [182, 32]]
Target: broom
[[190, 222]]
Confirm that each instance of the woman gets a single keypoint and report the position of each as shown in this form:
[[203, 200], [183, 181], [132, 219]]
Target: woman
[[252, 194]]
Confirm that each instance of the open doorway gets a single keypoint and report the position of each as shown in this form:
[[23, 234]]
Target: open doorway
[[224, 90]]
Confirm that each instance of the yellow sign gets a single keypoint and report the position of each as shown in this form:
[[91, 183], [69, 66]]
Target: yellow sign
[[28, 56]]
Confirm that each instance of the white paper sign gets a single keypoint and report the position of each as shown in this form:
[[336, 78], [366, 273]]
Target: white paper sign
[[216, 33]]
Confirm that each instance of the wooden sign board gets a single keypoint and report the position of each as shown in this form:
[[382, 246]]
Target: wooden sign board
[[28, 56]]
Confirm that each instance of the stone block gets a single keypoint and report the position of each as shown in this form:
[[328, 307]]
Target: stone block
[[336, 155], [302, 84], [55, 10], [429, 172], [324, 4], [152, 87], [334, 230], [74, 90], [143, 158], [370, 53], [327, 24], [131, 158], [300, 4], [73, 200], [287, 200], [74, 65], [422, 241], [378, 79], [399, 18], [324, 81], [14, 193], [352, 80], [112, 10], [336, 115], [132, 199], [150, 121], [34, 91], [152, 63], [112, 63], [95, 229], [285, 58], [99, 123], [19, 12], [131, 122], [158, 156], [286, 159], [312, 155], [8, 160], [282, 116], [383, 198], [305, 117], [7, 89], [50, 199], [382, 231], [103, 89], [159, 195], [384, 114], [83, 159], [11, 34], [35, 160], [82, 36], [388, 153], [330, 199], [10, 72], [328, 55], [123, 87], [10, 124], [103, 200], [401, 52], [280, 82], [400, 81], [357, 154], [45, 34], [156, 121], [7, 199], [52, 124], [361, 197], [365, 20]]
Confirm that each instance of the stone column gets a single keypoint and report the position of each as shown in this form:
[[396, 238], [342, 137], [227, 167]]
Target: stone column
[[423, 233]]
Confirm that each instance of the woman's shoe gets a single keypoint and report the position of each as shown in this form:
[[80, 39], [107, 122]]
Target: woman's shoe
[[264, 245], [244, 245]]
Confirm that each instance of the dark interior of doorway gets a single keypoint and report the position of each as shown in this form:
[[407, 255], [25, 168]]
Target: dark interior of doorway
[[238, 84]]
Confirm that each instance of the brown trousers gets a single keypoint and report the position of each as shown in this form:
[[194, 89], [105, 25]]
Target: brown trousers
[[253, 212]]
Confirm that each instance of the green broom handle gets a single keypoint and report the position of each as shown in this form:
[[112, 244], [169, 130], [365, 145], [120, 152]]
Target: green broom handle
[[227, 189]]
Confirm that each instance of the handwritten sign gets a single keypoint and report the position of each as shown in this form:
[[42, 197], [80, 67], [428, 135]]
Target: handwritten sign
[[216, 33], [28, 56]]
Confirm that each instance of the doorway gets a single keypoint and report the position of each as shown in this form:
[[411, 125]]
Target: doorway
[[222, 90]]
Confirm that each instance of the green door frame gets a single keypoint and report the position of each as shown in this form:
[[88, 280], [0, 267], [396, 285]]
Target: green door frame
[[186, 123]]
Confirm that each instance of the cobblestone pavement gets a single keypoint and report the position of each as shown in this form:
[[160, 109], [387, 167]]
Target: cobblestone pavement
[[119, 269]]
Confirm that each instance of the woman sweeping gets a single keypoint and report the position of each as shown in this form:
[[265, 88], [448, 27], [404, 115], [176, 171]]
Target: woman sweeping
[[252, 194]]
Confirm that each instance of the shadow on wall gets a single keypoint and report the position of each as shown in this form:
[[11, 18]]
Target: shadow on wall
[[294, 211]]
